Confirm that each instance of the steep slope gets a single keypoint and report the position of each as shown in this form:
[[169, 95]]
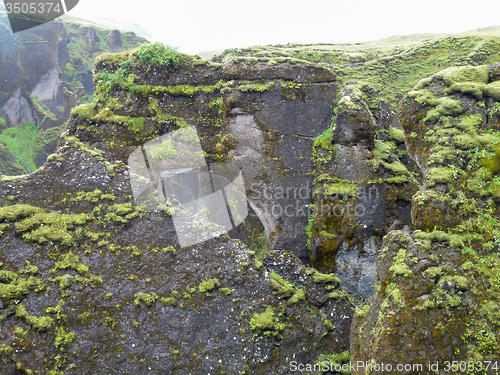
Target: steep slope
[[45, 72], [397, 213]]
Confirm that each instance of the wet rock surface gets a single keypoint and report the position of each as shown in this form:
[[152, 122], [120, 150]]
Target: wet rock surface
[[92, 282]]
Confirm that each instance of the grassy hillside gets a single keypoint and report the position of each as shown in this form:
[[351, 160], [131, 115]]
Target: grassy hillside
[[391, 65]]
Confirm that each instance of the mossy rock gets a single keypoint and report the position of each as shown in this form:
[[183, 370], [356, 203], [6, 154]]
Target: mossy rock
[[493, 91], [281, 287], [472, 89], [476, 74], [19, 211]]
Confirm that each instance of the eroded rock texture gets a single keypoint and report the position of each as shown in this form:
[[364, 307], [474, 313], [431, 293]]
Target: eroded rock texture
[[398, 216], [91, 282], [437, 291]]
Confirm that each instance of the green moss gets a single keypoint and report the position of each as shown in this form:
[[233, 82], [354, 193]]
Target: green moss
[[300, 295], [71, 261], [40, 325], [396, 167], [466, 142], [476, 74], [472, 89], [147, 298], [208, 284], [169, 249], [44, 227], [13, 287], [256, 87], [121, 209], [2, 121], [18, 211], [470, 123], [61, 221], [321, 278], [362, 312], [423, 97], [324, 140], [396, 135], [345, 189], [399, 267], [159, 54], [335, 361], [42, 108], [266, 323], [164, 150], [136, 124], [449, 107], [110, 169], [63, 339], [457, 281], [281, 287], [432, 116], [441, 175], [493, 91], [446, 154], [226, 291], [169, 119], [434, 272], [170, 301]]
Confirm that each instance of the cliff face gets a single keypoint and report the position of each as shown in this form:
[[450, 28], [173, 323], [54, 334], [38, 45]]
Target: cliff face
[[107, 283], [437, 291], [357, 215], [263, 117], [45, 72]]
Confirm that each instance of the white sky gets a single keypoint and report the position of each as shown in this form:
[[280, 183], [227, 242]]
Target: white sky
[[200, 25]]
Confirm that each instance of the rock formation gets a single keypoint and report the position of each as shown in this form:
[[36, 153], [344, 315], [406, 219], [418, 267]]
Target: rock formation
[[373, 235]]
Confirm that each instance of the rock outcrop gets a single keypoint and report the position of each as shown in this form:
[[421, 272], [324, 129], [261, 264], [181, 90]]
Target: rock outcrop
[[437, 291], [105, 282], [364, 181]]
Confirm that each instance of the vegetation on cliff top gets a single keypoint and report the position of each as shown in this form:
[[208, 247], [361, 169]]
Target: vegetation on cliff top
[[393, 66]]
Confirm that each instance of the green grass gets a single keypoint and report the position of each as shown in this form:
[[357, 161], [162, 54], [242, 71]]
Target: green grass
[[42, 108], [160, 54], [19, 141], [393, 66]]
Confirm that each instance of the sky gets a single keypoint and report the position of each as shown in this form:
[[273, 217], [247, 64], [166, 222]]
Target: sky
[[200, 25]]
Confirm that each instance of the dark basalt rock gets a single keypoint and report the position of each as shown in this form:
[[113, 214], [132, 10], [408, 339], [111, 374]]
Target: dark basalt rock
[[114, 40], [435, 297], [354, 124], [188, 331]]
